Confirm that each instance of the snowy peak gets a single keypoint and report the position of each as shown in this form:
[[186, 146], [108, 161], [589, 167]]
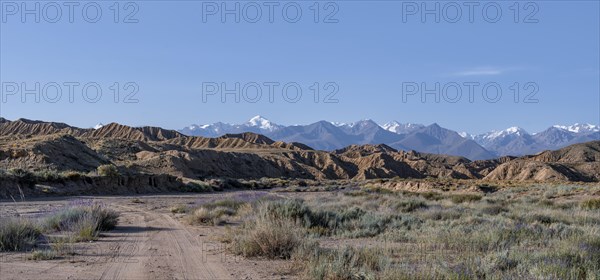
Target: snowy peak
[[466, 135], [579, 128], [98, 126], [391, 126], [401, 128], [364, 123], [515, 130], [262, 123], [339, 124]]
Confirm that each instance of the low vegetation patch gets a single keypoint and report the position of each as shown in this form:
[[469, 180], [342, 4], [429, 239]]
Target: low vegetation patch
[[213, 213], [410, 205], [207, 216], [462, 198], [270, 236], [346, 263], [80, 222], [179, 209], [591, 204], [18, 234], [108, 170], [513, 233], [432, 196], [91, 217], [42, 255]]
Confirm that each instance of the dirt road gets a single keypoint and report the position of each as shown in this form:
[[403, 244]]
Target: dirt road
[[148, 243], [155, 246]]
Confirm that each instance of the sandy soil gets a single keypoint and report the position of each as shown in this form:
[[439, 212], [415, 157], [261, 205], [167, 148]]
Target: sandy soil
[[148, 243]]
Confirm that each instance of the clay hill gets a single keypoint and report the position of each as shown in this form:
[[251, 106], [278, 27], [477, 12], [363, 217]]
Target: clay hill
[[38, 145]]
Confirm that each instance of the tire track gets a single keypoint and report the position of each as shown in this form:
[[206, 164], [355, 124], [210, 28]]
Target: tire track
[[178, 252]]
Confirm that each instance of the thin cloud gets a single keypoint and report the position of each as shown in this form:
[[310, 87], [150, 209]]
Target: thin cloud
[[480, 72]]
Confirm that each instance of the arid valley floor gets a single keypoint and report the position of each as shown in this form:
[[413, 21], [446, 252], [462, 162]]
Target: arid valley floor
[[122, 202], [532, 232]]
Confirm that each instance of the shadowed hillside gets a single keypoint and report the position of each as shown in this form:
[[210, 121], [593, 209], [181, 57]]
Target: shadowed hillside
[[37, 145]]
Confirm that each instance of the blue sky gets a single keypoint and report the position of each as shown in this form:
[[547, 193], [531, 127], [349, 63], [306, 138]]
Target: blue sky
[[371, 54]]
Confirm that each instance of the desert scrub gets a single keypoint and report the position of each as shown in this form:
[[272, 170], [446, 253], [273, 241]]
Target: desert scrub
[[353, 222], [72, 175], [17, 234], [85, 220], [346, 263], [20, 173], [108, 170], [228, 203], [268, 235], [213, 213], [48, 175], [409, 205], [467, 197], [432, 196], [496, 236], [494, 209], [591, 204], [85, 228], [42, 255], [205, 216], [179, 209]]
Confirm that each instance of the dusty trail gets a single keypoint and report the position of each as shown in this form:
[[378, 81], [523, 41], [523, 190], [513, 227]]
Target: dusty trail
[[145, 245], [163, 250]]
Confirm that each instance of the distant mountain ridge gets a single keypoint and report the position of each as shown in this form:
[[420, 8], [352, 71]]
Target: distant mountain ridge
[[329, 136], [38, 145], [515, 141]]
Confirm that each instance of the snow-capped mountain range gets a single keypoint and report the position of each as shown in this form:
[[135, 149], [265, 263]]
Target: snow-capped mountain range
[[579, 128], [401, 128], [326, 135], [516, 141], [257, 124]]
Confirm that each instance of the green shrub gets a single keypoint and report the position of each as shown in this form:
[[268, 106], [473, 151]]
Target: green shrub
[[377, 190], [461, 198], [442, 214], [591, 204], [107, 219], [108, 170], [17, 234], [229, 203], [409, 205], [86, 227], [352, 222], [207, 216], [179, 209], [270, 237], [72, 175], [367, 225], [347, 263], [85, 221], [41, 255], [20, 173], [432, 195], [213, 213], [493, 209], [61, 220], [47, 175]]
